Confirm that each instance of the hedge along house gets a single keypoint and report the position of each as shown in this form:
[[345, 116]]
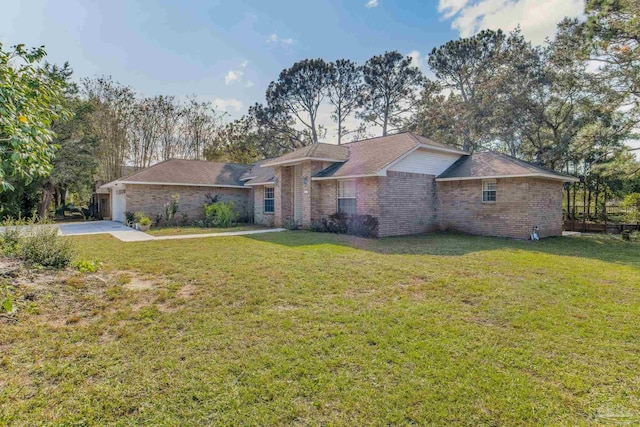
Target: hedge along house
[[410, 183]]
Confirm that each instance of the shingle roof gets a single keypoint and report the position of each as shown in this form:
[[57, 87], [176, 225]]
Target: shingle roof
[[331, 152], [197, 172], [492, 164], [369, 156], [258, 174]]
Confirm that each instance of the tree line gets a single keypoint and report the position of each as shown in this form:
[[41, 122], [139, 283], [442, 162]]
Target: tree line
[[569, 105]]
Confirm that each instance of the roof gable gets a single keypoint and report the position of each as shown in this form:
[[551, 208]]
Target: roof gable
[[490, 164], [373, 156]]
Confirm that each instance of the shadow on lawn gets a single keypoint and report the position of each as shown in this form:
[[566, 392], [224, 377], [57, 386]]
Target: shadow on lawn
[[604, 248]]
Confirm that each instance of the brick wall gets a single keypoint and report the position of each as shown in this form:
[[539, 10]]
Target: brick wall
[[259, 216], [408, 204], [545, 206], [521, 204], [283, 197], [151, 199]]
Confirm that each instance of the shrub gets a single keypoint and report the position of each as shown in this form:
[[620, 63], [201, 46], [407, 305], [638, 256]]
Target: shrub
[[290, 224], [356, 225], [185, 218], [10, 236], [337, 223], [632, 203], [144, 220], [130, 217], [43, 246], [220, 214], [362, 225], [171, 209], [85, 266]]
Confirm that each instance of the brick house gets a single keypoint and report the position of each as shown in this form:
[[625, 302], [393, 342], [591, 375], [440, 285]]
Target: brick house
[[410, 183]]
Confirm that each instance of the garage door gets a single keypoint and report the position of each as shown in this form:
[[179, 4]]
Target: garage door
[[118, 204]]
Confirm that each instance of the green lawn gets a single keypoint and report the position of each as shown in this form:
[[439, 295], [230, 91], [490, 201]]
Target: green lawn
[[175, 231], [317, 329]]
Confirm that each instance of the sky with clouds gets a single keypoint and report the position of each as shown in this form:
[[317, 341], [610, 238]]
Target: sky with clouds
[[228, 51]]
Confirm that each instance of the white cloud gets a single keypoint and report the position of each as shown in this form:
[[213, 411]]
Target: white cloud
[[235, 75], [416, 59], [372, 3], [537, 18], [248, 84], [228, 104], [274, 39], [232, 76]]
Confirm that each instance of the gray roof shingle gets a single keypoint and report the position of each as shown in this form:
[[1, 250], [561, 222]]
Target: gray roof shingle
[[258, 174], [331, 152], [492, 164], [184, 172], [368, 156]]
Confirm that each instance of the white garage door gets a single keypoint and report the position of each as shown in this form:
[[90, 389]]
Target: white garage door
[[118, 204]]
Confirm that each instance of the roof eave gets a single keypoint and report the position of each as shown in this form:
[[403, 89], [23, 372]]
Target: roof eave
[[530, 175], [253, 184], [300, 160], [178, 184], [326, 178]]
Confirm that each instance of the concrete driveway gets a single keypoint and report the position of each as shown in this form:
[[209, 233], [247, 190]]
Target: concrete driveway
[[116, 229], [92, 227], [126, 234]]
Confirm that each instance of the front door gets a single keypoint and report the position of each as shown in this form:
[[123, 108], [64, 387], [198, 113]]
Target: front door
[[297, 193]]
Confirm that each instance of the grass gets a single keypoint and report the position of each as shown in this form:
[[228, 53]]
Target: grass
[[175, 231], [318, 329]]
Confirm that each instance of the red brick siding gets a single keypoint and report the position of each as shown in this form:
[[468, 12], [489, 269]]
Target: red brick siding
[[408, 204], [283, 195], [521, 204], [151, 199], [259, 217]]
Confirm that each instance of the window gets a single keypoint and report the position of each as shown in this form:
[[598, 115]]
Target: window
[[489, 191], [268, 199], [347, 197]]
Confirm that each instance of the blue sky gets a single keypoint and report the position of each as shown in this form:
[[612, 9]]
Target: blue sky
[[229, 51]]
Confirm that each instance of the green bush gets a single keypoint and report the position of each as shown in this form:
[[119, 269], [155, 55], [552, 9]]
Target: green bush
[[85, 266], [144, 220], [10, 236], [632, 203], [341, 223], [42, 245], [220, 214]]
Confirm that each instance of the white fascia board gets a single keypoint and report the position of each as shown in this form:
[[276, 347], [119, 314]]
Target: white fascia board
[[260, 183], [303, 159], [325, 178], [530, 175], [178, 184]]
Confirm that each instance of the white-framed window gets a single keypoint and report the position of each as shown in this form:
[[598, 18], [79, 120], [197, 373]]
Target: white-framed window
[[269, 199], [347, 196], [489, 190]]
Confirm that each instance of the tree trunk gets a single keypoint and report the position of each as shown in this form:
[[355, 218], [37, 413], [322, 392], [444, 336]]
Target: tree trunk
[[47, 193]]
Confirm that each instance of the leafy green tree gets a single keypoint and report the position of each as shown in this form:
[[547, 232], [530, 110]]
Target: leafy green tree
[[344, 92], [31, 99], [298, 94], [470, 68], [391, 90]]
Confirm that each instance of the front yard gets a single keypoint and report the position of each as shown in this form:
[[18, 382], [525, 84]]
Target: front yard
[[319, 329]]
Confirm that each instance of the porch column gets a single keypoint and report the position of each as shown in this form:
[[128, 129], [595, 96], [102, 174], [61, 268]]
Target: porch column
[[283, 195], [310, 192]]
